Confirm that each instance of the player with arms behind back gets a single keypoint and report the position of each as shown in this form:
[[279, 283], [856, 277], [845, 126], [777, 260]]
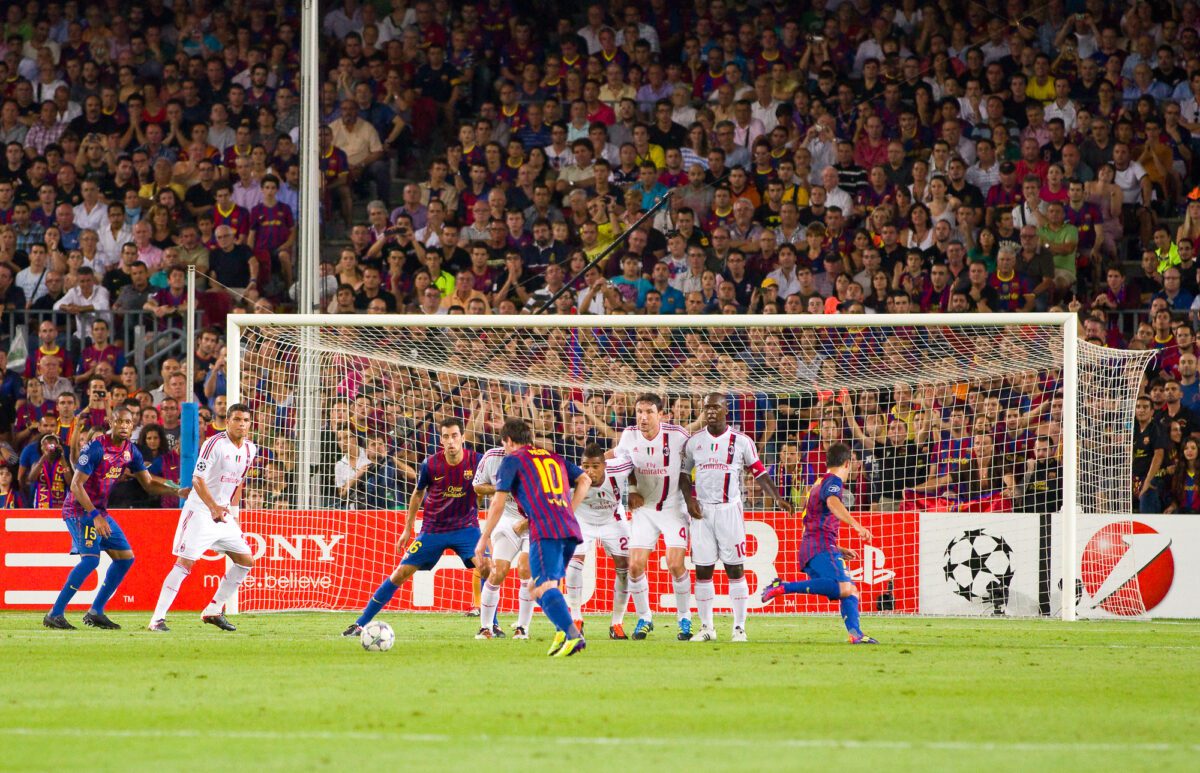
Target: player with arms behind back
[[446, 494], [209, 519], [538, 480], [97, 470], [820, 557], [507, 546], [718, 455], [602, 522], [655, 451]]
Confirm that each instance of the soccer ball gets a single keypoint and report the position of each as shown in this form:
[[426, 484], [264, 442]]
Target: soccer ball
[[979, 567], [377, 636]]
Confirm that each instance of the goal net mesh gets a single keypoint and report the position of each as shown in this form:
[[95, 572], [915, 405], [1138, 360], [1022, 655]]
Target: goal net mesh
[[945, 421]]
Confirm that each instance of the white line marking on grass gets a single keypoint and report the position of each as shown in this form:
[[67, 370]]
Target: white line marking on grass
[[442, 738]]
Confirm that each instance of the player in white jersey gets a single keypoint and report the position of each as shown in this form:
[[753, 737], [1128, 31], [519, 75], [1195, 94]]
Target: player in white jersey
[[510, 542], [655, 451], [602, 522], [209, 519], [718, 455]]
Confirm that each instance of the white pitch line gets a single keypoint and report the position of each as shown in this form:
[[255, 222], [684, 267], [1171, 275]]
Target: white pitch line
[[442, 738]]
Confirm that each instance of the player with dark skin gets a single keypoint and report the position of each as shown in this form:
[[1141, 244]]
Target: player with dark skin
[[122, 429], [716, 415]]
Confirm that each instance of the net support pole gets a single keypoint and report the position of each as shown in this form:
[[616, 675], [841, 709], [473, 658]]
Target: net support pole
[[307, 419], [1070, 464], [308, 258], [189, 438], [233, 394]]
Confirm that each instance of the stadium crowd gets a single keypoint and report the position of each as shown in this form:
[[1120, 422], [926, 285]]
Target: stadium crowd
[[821, 157]]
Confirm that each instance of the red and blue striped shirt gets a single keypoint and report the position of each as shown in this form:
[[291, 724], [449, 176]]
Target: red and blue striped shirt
[[450, 501], [542, 483], [103, 461], [272, 226], [820, 524]]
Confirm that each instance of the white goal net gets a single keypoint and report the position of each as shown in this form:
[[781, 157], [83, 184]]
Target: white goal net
[[963, 429]]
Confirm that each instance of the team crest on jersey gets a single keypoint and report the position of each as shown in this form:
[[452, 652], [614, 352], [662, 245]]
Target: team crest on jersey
[[470, 474], [125, 457]]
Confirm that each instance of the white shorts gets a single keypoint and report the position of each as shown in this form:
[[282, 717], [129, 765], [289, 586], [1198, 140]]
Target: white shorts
[[613, 536], [719, 535], [198, 533], [506, 543], [646, 523]]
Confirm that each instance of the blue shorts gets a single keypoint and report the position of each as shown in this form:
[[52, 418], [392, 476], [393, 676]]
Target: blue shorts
[[548, 559], [427, 549], [827, 565], [86, 542]]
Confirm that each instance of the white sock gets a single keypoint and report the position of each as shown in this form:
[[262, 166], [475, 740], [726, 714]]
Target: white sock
[[524, 606], [575, 588], [639, 588], [170, 588], [620, 596], [229, 585], [489, 599], [706, 594], [739, 595], [683, 595]]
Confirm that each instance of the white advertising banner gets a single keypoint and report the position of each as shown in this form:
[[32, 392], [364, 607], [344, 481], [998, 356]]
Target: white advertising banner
[[979, 564], [1003, 564], [1138, 565]]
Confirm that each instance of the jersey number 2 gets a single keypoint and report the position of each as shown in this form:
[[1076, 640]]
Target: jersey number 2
[[551, 474]]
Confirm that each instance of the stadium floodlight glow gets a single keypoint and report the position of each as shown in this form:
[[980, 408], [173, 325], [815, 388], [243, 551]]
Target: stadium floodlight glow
[[934, 386]]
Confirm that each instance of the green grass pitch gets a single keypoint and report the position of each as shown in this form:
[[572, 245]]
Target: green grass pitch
[[286, 692]]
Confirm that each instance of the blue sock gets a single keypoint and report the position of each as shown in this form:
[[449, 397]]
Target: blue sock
[[827, 587], [75, 581], [555, 607], [112, 578], [850, 614], [379, 599]]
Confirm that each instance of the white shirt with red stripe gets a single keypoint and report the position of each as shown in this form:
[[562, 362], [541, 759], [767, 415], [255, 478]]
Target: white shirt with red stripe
[[602, 504], [718, 463], [222, 466], [656, 463]]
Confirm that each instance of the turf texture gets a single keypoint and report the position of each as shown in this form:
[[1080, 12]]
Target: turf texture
[[286, 692]]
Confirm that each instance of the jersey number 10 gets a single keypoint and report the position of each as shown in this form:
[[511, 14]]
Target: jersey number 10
[[551, 474]]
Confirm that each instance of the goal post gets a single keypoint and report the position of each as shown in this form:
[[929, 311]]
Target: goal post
[[945, 412]]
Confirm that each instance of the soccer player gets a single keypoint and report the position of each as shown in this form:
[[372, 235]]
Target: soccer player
[[655, 452], [538, 480], [98, 468], [718, 455], [209, 519], [820, 558], [450, 522], [507, 545], [601, 521]]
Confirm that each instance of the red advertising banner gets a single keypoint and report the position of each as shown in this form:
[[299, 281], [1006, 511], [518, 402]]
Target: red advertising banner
[[36, 558], [335, 559]]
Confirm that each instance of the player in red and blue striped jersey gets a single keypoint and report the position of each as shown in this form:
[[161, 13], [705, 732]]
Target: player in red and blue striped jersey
[[446, 493], [538, 480], [100, 465], [820, 557]]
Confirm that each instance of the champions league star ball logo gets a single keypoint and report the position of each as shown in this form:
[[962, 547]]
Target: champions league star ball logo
[[979, 567], [1127, 569]]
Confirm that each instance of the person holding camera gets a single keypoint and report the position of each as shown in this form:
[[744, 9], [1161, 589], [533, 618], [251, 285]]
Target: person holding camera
[[49, 471]]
